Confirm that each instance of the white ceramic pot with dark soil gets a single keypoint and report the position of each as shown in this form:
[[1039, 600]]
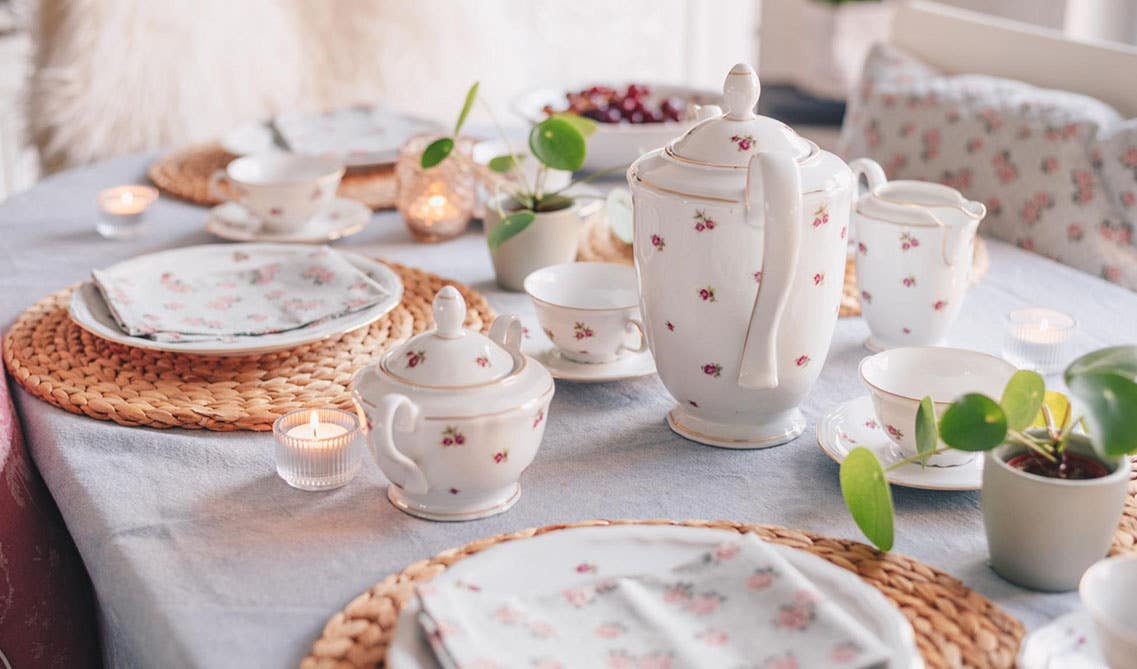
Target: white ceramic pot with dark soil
[[551, 239], [1042, 532]]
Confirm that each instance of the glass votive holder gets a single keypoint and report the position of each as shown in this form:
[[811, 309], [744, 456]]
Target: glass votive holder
[[437, 203], [317, 449], [1039, 339], [122, 211]]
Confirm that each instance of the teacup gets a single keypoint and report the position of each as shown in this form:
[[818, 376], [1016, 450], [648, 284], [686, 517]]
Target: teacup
[[284, 191], [1107, 590], [899, 378], [589, 310], [915, 242]]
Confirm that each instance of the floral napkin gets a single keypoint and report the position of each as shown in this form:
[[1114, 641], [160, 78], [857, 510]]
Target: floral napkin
[[219, 292], [740, 605]]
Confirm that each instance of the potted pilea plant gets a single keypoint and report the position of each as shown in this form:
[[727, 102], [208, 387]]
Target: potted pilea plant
[[529, 226], [1052, 496]]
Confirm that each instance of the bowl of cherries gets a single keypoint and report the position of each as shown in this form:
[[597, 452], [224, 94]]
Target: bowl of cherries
[[632, 118]]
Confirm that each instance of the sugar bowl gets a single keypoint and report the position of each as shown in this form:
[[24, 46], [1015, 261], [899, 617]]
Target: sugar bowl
[[453, 417]]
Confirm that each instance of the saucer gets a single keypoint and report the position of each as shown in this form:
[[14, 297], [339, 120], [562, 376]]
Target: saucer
[[1067, 641], [854, 424], [631, 366], [344, 217]]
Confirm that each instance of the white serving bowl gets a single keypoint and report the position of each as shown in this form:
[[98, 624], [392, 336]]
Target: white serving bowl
[[1107, 590], [589, 310], [899, 378], [617, 145]]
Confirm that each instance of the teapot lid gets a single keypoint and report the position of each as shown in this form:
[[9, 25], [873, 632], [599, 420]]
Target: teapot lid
[[730, 140], [449, 356]]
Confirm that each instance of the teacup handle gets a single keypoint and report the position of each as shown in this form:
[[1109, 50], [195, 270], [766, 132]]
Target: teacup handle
[[215, 181], [871, 171], [415, 483], [639, 327]]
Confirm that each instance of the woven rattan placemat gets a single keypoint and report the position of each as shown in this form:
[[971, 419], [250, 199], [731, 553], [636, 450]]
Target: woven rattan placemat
[[60, 363], [599, 244], [185, 174], [954, 625]]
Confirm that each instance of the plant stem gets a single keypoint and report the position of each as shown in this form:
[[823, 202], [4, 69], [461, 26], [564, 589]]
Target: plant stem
[[524, 185], [916, 458], [584, 180], [1045, 450]]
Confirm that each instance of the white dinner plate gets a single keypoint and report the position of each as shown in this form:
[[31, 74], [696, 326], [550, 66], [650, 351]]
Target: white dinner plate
[[631, 366], [90, 312], [344, 217], [853, 424], [358, 136], [553, 561]]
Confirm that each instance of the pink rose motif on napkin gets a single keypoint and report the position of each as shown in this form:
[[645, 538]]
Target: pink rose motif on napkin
[[319, 275], [171, 283], [610, 630], [222, 302], [713, 637], [761, 578], [266, 274], [799, 614]]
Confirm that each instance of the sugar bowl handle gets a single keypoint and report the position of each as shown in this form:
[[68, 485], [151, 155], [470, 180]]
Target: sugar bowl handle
[[869, 170], [397, 408], [507, 331]]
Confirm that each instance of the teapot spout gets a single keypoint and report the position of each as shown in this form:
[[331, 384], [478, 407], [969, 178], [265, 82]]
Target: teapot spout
[[774, 204]]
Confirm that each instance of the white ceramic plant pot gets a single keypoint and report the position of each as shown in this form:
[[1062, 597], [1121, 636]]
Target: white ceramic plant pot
[[740, 236], [551, 239], [1043, 533]]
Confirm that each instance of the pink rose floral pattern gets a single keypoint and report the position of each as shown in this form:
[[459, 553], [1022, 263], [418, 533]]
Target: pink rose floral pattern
[[452, 437], [740, 604], [231, 294], [703, 222], [581, 331], [1050, 171], [743, 142]]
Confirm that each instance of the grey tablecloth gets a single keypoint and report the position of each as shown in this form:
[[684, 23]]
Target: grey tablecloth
[[201, 556]]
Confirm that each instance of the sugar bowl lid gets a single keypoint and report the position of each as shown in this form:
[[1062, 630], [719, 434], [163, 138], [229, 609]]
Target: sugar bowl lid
[[450, 356], [730, 140]]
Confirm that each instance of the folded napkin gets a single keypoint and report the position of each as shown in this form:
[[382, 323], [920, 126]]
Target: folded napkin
[[738, 605], [221, 292]]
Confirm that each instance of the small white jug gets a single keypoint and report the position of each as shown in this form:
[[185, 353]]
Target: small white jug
[[915, 242]]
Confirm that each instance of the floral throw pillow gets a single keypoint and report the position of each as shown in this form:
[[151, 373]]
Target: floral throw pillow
[[1055, 169]]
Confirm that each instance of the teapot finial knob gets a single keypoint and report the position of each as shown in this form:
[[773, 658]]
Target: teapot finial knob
[[740, 92], [449, 312]]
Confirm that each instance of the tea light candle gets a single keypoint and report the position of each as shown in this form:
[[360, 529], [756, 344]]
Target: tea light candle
[[122, 210], [1038, 339], [317, 449], [433, 207]]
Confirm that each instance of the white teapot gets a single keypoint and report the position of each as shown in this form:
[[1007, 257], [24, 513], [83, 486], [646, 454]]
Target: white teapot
[[740, 232], [453, 417]]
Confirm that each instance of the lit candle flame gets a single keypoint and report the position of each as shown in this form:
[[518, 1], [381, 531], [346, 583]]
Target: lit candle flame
[[315, 423], [127, 197], [1043, 325], [436, 201]]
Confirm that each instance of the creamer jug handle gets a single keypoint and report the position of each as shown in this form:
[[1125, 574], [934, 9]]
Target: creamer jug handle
[[773, 202]]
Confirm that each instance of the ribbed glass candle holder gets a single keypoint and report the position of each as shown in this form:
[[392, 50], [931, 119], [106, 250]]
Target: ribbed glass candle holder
[[317, 449], [1039, 339]]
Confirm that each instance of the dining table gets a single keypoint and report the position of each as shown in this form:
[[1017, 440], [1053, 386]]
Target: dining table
[[201, 556]]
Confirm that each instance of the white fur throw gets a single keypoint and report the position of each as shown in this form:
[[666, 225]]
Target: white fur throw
[[119, 76]]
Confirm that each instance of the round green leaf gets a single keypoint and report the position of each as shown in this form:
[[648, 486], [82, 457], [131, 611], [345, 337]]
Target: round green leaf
[[436, 152], [1111, 404], [1022, 398], [586, 126], [926, 437], [557, 144], [868, 496], [974, 422], [505, 163], [1120, 360], [511, 225]]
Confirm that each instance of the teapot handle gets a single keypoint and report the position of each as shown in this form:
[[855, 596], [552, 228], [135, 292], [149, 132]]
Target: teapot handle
[[415, 481], [773, 201]]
